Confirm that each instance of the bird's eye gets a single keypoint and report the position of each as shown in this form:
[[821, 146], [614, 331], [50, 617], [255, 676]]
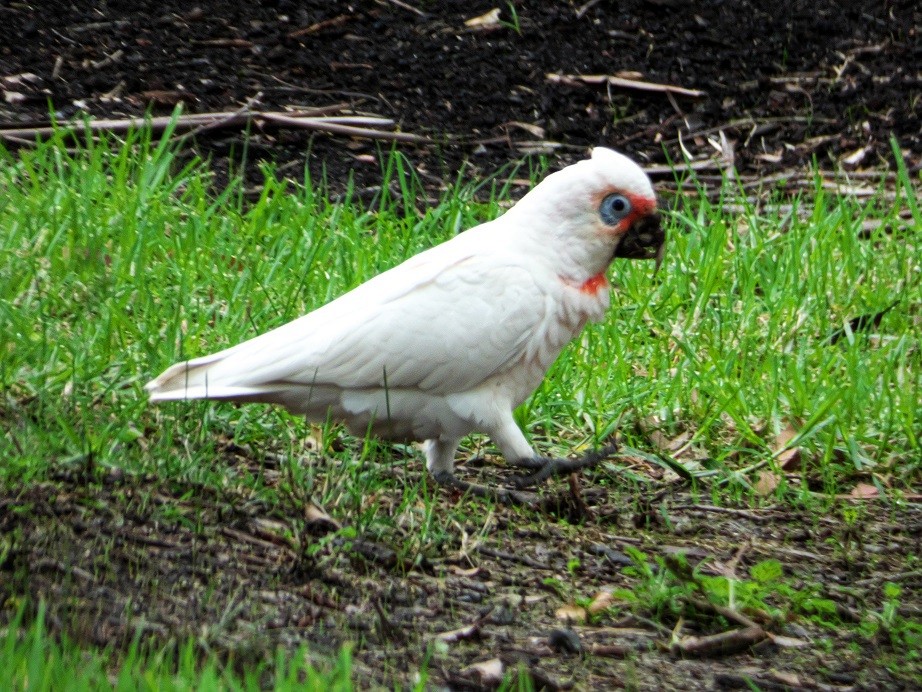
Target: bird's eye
[[614, 208]]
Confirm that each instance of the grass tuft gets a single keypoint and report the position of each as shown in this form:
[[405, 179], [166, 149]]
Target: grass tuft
[[117, 261]]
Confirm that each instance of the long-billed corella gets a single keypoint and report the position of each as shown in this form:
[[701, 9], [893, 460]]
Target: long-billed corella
[[452, 340]]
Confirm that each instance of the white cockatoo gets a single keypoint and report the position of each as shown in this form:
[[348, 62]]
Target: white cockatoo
[[456, 337]]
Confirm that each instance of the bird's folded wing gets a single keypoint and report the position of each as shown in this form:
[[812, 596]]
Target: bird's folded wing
[[447, 331]]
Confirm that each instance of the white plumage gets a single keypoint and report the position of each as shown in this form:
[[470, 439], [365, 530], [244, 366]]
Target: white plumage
[[453, 339]]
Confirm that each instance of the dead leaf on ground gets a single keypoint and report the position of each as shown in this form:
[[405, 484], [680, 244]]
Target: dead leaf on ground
[[766, 484], [530, 128], [318, 519], [864, 491], [487, 672], [462, 572], [790, 459], [469, 632], [487, 19], [571, 613], [783, 438], [602, 601]]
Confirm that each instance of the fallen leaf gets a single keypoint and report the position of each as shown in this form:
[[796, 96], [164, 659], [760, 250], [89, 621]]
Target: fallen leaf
[[770, 158], [766, 483], [532, 129], [164, 97], [488, 672], [469, 632], [783, 438], [788, 642], [461, 572], [602, 601], [864, 491], [20, 79], [14, 97], [789, 459], [318, 520], [855, 157], [571, 613], [490, 18]]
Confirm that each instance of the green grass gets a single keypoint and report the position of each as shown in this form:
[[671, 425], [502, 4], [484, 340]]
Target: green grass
[[115, 262], [115, 265], [29, 656]]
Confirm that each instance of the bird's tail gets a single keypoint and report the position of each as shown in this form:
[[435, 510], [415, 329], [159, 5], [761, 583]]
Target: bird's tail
[[195, 379]]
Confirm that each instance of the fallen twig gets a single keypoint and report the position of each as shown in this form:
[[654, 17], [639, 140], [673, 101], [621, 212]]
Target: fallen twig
[[729, 613], [216, 124], [715, 163], [623, 83], [585, 8], [512, 557], [320, 26], [721, 644], [749, 514], [408, 7], [364, 127]]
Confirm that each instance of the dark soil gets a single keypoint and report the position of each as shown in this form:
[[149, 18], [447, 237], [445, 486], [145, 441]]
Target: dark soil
[[786, 82], [120, 556]]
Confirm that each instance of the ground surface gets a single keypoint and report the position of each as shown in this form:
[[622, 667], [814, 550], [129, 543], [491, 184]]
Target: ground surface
[[784, 83], [118, 557], [831, 82]]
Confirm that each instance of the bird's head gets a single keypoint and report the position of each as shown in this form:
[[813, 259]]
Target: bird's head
[[596, 210]]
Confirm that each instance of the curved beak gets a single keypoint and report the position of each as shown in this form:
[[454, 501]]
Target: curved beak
[[645, 239]]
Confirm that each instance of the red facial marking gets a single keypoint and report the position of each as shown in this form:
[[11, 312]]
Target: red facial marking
[[640, 207], [594, 284]]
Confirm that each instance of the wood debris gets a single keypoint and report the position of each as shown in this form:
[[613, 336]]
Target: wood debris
[[361, 127], [623, 83]]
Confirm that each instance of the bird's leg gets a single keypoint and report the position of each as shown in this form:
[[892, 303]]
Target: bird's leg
[[555, 467], [505, 495], [440, 460], [515, 448]]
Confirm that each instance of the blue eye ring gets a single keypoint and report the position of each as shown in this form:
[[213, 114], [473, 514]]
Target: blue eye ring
[[614, 208]]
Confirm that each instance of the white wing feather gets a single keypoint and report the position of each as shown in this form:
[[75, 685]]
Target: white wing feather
[[418, 326]]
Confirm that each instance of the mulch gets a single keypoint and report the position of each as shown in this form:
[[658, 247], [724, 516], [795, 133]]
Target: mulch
[[782, 85]]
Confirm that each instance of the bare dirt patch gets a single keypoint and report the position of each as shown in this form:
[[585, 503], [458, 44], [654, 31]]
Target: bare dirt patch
[[122, 555], [784, 82]]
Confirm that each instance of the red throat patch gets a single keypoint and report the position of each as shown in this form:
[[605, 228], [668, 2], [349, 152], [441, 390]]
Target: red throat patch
[[594, 284]]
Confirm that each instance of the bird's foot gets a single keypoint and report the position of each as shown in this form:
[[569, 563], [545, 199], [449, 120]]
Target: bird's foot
[[556, 467], [507, 496]]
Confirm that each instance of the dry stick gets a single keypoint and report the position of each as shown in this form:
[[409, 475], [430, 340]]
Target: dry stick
[[344, 125], [585, 8], [216, 124], [749, 514], [721, 644], [707, 164], [623, 83], [729, 613], [120, 126], [408, 7], [337, 128], [319, 26], [503, 555]]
